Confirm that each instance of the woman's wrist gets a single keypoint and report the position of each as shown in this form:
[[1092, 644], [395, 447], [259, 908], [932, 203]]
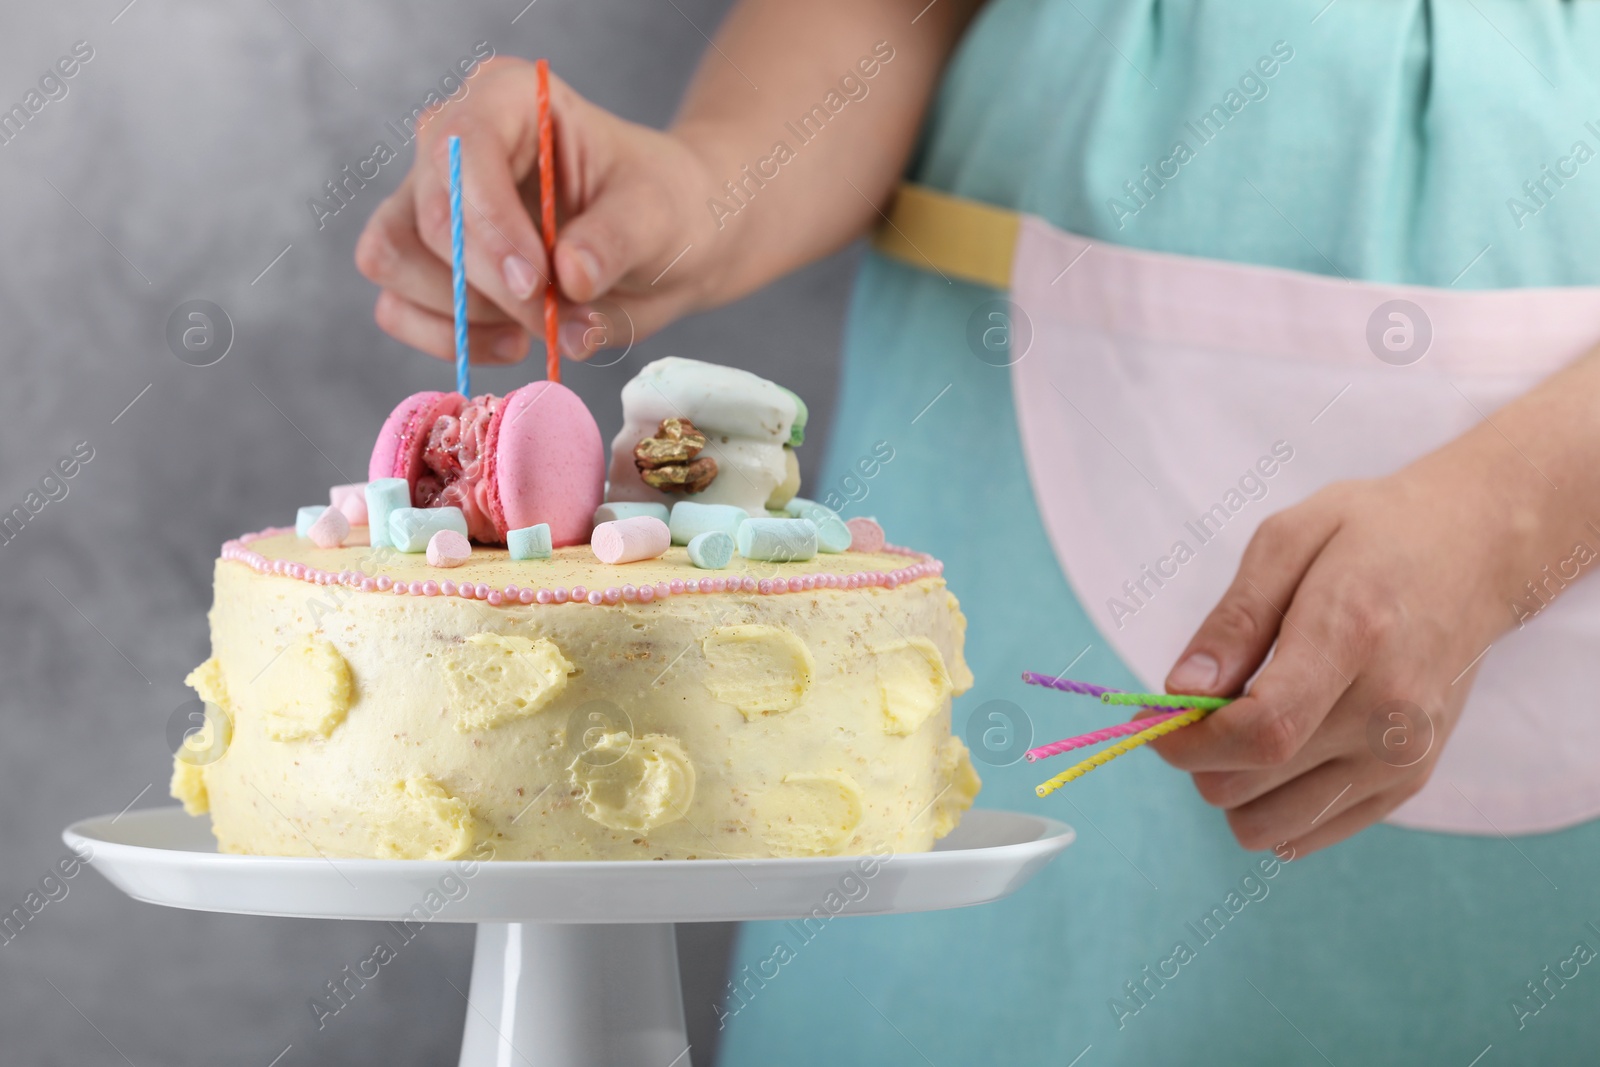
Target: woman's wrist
[[718, 253], [1533, 494]]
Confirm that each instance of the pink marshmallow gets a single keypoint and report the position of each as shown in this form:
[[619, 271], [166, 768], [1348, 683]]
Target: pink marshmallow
[[330, 529], [865, 535], [448, 549], [352, 500], [630, 540]]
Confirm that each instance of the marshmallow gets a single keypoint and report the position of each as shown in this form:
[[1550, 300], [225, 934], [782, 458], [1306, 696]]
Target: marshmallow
[[628, 509], [689, 520], [865, 535], [630, 540], [446, 548], [832, 533], [748, 421], [330, 529], [711, 550], [384, 496], [530, 542], [352, 500], [777, 540], [305, 517], [410, 529]]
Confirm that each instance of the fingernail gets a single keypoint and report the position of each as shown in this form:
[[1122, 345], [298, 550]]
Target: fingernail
[[573, 338], [588, 265], [509, 346], [1197, 674], [519, 276]]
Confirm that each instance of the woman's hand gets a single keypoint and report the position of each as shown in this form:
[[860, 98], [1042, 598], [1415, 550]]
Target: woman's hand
[[1377, 600], [661, 224], [628, 199]]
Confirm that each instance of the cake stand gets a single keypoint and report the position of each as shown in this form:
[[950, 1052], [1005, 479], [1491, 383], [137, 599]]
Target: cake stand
[[576, 963]]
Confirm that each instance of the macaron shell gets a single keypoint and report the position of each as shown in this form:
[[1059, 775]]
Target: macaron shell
[[397, 453], [547, 463]]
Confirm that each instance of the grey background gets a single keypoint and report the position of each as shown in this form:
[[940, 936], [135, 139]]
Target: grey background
[[191, 142]]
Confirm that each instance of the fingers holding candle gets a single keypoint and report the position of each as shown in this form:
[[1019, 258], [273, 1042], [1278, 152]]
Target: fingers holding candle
[[434, 332], [505, 256], [391, 254], [458, 270], [547, 218], [628, 257]]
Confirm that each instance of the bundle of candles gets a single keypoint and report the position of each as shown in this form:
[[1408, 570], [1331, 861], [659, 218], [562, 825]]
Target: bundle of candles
[[1172, 713]]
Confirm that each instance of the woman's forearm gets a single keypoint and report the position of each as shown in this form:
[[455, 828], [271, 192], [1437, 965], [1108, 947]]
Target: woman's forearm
[[803, 116], [1537, 462]]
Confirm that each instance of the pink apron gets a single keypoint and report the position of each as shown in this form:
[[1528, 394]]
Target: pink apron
[[1157, 390]]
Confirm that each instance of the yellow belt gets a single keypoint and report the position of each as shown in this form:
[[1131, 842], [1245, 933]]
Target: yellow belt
[[950, 235]]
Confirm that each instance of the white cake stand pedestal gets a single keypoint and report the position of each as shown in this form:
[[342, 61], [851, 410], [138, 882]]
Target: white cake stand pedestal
[[577, 962]]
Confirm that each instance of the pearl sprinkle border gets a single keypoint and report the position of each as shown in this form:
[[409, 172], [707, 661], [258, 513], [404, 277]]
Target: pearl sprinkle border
[[238, 551]]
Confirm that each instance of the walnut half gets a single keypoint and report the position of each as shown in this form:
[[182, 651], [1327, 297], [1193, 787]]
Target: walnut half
[[671, 460]]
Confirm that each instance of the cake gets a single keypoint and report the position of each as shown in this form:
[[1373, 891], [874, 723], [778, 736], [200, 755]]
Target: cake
[[367, 701]]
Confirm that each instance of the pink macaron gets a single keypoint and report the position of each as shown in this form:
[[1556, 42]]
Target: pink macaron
[[532, 456]]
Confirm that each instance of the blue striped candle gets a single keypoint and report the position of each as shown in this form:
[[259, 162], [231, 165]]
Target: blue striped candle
[[458, 267]]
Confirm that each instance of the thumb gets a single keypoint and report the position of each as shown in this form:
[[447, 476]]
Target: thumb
[[1236, 636], [614, 234]]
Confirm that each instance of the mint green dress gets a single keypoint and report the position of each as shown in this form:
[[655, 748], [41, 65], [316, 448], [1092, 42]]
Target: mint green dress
[[1402, 141]]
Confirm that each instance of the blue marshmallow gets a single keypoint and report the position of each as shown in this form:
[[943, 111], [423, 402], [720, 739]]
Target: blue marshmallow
[[530, 542], [384, 497], [777, 540], [711, 550], [411, 528], [832, 533], [305, 517], [628, 509], [689, 520]]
